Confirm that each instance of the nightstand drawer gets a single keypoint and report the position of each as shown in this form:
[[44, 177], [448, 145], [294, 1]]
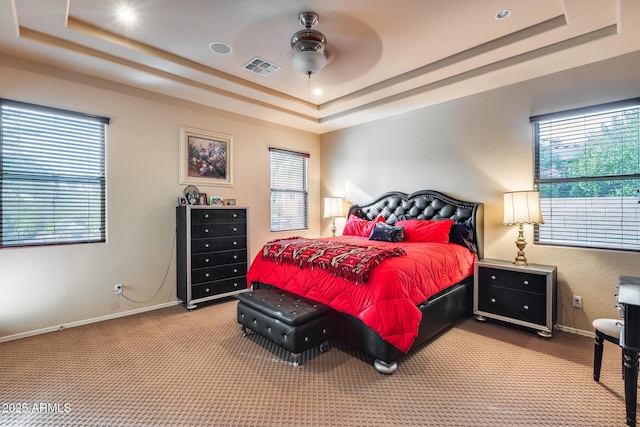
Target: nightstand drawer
[[523, 281], [525, 306]]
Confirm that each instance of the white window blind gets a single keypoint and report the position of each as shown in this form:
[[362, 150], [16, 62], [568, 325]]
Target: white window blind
[[587, 168], [52, 176], [289, 194]]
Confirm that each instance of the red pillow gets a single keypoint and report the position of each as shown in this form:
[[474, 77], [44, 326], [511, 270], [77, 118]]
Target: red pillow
[[420, 230], [359, 227]]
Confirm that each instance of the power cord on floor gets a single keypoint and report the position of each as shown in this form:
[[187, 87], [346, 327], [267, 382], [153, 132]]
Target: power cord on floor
[[173, 245]]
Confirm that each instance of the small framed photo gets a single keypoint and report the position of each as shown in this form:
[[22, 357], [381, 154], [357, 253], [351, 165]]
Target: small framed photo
[[216, 200], [203, 199], [230, 202], [182, 201]]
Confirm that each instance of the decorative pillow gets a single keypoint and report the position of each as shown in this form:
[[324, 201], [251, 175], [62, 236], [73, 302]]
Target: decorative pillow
[[387, 233], [359, 227], [462, 234], [420, 230]]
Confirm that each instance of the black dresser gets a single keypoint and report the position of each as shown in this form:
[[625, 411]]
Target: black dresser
[[212, 252]]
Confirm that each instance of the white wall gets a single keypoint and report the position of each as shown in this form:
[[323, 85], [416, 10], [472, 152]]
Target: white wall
[[478, 147], [45, 287]]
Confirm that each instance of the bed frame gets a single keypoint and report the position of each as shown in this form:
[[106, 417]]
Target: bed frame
[[439, 311]]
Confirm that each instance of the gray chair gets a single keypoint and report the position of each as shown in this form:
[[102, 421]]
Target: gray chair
[[609, 330]]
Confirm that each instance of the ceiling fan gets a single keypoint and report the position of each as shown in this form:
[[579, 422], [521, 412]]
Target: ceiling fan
[[309, 46]]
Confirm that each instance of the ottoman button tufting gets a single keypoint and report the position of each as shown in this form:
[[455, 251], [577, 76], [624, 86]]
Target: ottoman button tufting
[[300, 324]]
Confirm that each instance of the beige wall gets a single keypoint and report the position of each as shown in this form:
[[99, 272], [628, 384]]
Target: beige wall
[[45, 287], [478, 147]]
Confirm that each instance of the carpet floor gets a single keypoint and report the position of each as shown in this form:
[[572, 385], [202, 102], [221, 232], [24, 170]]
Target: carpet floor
[[173, 367]]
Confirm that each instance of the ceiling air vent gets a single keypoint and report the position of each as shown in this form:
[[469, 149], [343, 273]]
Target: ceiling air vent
[[261, 67]]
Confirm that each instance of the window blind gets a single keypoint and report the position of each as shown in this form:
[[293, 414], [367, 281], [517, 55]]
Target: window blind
[[587, 169], [52, 176], [289, 190]]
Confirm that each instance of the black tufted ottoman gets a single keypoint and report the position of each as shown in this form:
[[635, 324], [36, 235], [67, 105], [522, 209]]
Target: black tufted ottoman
[[294, 323]]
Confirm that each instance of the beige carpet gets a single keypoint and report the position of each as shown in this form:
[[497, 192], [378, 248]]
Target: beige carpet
[[176, 368]]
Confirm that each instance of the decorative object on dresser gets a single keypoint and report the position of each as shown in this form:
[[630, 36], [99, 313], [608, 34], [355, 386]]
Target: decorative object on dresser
[[212, 252], [522, 207], [523, 295], [333, 209]]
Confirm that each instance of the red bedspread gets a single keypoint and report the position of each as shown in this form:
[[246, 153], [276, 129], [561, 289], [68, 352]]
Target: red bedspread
[[387, 303]]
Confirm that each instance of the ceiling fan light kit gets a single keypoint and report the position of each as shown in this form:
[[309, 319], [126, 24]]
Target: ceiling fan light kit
[[309, 46]]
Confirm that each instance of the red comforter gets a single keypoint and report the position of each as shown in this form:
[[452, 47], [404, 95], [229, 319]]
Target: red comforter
[[388, 302]]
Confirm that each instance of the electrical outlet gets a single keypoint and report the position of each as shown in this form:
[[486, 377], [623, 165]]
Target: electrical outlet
[[117, 288], [576, 301]]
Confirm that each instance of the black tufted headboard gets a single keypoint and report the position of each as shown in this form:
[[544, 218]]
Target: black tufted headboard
[[424, 204]]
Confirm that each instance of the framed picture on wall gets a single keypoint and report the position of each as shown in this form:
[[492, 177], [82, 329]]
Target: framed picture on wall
[[205, 157]]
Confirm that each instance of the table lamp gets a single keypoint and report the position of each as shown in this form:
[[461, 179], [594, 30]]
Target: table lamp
[[522, 207], [333, 209]]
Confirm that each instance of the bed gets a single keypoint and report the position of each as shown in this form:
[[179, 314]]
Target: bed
[[370, 311]]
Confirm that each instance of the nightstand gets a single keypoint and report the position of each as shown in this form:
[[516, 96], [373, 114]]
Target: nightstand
[[523, 295]]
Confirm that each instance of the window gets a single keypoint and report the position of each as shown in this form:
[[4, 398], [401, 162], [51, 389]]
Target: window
[[52, 176], [289, 194], [587, 168]]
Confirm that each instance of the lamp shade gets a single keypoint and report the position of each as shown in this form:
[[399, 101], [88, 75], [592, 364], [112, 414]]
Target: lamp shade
[[522, 207], [333, 207], [309, 62]]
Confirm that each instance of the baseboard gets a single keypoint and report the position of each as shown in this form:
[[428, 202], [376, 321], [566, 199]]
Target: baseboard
[[86, 321], [575, 331]]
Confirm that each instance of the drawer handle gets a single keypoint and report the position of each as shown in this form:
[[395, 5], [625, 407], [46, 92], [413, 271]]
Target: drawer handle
[[206, 275], [235, 243], [235, 284], [206, 245], [493, 300], [207, 289], [206, 215], [526, 282], [206, 230], [526, 307], [235, 257], [235, 229], [206, 260], [493, 277], [235, 215], [235, 270]]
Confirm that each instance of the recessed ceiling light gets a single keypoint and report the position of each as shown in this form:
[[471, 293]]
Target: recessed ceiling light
[[126, 14], [503, 14], [317, 91], [220, 48]]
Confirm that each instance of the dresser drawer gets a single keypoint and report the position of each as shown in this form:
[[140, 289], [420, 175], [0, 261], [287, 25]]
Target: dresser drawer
[[209, 274], [518, 280], [217, 258], [218, 244], [525, 306], [218, 287], [203, 230], [199, 216]]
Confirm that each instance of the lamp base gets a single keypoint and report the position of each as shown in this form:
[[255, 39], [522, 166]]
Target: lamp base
[[521, 259], [333, 227]]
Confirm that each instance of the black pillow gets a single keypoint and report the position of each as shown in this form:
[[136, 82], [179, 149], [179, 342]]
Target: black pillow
[[387, 233], [462, 234]]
